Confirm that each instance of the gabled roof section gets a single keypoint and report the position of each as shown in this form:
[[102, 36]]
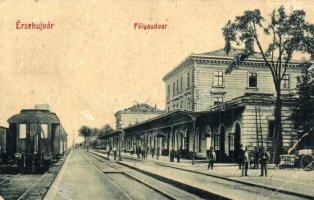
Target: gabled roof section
[[140, 108]]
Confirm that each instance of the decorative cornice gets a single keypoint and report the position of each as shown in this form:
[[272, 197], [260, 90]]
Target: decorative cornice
[[220, 60]]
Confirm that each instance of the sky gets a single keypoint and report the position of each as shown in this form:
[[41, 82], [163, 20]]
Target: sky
[[93, 62]]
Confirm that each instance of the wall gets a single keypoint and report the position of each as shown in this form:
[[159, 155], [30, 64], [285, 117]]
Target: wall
[[235, 83], [183, 98]]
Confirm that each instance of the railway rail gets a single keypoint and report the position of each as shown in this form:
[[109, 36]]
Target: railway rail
[[19, 185], [243, 187], [28, 186], [162, 189]]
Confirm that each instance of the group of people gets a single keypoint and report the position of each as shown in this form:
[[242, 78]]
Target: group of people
[[258, 156], [246, 158], [141, 152]]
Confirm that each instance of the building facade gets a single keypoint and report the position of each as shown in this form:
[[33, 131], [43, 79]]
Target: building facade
[[200, 82], [208, 108], [135, 114]]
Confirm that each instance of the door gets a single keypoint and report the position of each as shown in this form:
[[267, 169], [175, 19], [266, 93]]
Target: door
[[237, 142], [34, 140]]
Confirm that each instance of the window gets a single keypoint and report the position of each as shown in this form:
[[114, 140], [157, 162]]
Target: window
[[218, 78], [22, 131], [44, 131], [188, 80], [271, 128], [231, 141], [177, 86], [285, 82], [181, 82], [217, 142], [168, 92], [218, 99], [252, 79], [174, 88]]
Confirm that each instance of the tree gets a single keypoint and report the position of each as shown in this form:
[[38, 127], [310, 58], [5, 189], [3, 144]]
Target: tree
[[303, 113], [288, 33], [107, 129], [85, 132]]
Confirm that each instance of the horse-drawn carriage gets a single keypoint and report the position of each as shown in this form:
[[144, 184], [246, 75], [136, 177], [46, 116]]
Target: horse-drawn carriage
[[303, 158]]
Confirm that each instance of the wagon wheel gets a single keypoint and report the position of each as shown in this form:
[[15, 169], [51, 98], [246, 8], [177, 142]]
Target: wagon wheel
[[306, 161]]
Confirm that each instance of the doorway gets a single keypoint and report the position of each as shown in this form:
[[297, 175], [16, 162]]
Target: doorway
[[237, 142]]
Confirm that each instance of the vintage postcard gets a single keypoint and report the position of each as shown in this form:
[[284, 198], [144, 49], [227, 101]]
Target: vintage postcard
[[147, 99]]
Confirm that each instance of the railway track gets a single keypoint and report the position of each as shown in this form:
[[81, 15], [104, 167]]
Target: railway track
[[19, 185], [28, 186], [138, 180], [238, 188]]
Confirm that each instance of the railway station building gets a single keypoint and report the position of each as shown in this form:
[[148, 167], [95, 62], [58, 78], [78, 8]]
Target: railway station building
[[135, 114], [205, 107]]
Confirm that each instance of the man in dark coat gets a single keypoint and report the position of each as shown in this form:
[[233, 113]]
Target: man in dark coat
[[179, 152], [157, 152], [143, 153], [256, 157], [264, 158], [211, 158]]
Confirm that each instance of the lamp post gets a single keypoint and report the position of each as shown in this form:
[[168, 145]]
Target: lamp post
[[194, 138], [121, 139]]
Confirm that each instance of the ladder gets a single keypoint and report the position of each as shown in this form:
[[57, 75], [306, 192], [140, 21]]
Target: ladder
[[258, 120]]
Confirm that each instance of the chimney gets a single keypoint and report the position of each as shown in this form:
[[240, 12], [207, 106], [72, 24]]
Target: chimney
[[249, 44]]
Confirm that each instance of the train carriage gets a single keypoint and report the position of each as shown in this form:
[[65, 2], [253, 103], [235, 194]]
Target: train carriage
[[3, 134], [35, 138]]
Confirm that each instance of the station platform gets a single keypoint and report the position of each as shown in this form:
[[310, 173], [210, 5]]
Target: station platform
[[288, 181]]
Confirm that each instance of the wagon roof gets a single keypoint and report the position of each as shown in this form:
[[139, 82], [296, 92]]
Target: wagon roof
[[34, 115]]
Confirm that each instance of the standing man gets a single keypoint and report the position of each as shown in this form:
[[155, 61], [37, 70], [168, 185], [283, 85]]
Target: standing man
[[114, 153], [264, 157], [153, 152], [245, 163], [146, 152], [211, 158], [109, 150], [240, 158], [179, 152], [158, 152], [143, 153], [256, 157]]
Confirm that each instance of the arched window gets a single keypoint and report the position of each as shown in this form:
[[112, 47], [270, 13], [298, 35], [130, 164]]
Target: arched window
[[208, 131]]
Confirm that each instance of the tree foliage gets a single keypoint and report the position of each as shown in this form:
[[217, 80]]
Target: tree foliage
[[107, 129], [305, 104], [287, 33], [85, 131]]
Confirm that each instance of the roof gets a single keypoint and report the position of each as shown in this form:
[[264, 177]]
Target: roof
[[34, 115], [140, 108], [114, 133], [221, 55], [182, 115], [233, 52]]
